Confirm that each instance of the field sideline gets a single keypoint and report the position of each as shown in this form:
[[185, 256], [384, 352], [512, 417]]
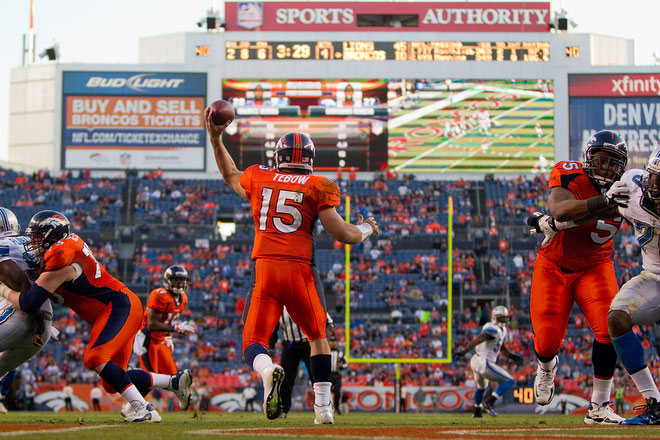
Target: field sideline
[[108, 426]]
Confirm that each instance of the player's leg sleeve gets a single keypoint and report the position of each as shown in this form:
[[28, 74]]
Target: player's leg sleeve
[[263, 307], [550, 307]]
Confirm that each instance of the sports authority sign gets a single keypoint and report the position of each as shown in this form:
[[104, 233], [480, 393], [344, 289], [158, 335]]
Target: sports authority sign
[[420, 17]]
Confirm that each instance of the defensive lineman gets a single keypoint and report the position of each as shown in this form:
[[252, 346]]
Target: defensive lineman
[[21, 335], [484, 361], [638, 300]]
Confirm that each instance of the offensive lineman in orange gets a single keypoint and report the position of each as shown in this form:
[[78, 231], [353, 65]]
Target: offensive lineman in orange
[[286, 203], [576, 266], [152, 344], [71, 275]]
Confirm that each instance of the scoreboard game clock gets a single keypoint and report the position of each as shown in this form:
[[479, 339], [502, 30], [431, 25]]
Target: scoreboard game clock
[[525, 51]]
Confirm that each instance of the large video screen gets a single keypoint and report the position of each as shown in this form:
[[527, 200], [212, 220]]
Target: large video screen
[[465, 126], [411, 125], [346, 119]]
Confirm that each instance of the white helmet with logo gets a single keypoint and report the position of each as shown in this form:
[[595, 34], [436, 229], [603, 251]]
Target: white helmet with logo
[[9, 226], [500, 316]]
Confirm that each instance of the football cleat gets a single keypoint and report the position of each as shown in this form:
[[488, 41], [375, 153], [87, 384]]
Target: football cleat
[[273, 377], [3, 408], [142, 412], [650, 416], [602, 415], [544, 383], [476, 414], [180, 385], [324, 414], [488, 407], [126, 409]]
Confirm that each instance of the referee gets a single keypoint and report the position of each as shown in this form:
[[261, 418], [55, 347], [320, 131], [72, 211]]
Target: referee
[[295, 348], [338, 364]]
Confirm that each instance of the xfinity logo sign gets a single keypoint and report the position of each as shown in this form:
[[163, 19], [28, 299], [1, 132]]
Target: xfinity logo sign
[[485, 16], [314, 16], [639, 85], [137, 82]]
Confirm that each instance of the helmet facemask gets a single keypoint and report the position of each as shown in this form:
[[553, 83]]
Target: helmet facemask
[[177, 284], [604, 166]]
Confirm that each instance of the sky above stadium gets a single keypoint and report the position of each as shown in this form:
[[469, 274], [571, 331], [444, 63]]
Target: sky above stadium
[[108, 32]]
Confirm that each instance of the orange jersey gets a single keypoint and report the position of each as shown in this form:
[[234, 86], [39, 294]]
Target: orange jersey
[[95, 288], [285, 209], [581, 247], [162, 301]]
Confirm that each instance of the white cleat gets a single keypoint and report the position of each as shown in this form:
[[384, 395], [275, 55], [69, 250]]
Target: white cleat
[[142, 413], [126, 409], [273, 378], [602, 415], [544, 383], [180, 385], [325, 415], [3, 408]]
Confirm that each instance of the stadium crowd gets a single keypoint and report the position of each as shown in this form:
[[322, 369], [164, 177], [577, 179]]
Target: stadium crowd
[[398, 296]]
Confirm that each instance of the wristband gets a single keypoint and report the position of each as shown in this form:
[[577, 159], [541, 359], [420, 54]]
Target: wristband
[[365, 230], [596, 203], [558, 226], [5, 290]]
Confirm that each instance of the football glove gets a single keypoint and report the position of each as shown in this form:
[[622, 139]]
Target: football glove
[[184, 328], [518, 360], [459, 353], [169, 343], [542, 224], [618, 195]]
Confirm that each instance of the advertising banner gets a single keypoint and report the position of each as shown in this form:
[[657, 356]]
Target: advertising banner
[[387, 16], [119, 120], [625, 103]]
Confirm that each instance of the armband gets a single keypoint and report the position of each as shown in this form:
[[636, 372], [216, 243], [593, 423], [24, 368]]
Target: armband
[[365, 230], [596, 203], [32, 300]]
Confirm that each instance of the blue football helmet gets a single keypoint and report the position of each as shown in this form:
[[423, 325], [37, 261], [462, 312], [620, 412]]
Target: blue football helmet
[[605, 171], [295, 151], [45, 229]]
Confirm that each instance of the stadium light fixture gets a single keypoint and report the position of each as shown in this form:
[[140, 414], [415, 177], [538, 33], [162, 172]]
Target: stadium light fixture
[[212, 21], [52, 53]]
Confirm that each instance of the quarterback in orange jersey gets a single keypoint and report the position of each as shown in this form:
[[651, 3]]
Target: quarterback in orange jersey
[[70, 275], [576, 266], [152, 344], [286, 203]]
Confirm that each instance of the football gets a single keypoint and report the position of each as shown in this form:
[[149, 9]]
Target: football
[[222, 111]]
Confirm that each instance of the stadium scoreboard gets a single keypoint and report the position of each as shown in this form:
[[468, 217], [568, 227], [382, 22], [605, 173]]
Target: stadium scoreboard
[[526, 51]]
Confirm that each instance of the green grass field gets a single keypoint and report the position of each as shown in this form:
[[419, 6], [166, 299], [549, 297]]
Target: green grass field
[[108, 426]]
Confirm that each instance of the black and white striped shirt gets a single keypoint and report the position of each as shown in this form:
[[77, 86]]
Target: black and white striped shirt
[[291, 333], [338, 360]]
